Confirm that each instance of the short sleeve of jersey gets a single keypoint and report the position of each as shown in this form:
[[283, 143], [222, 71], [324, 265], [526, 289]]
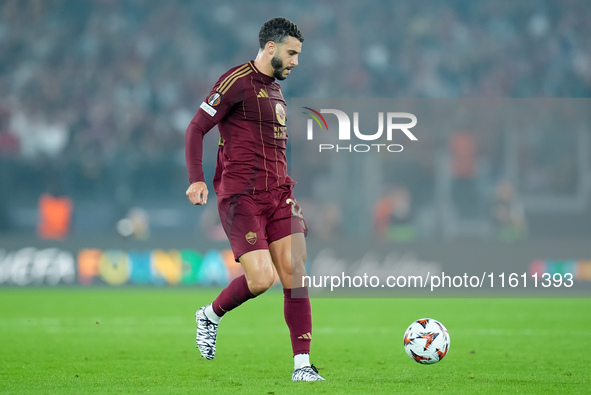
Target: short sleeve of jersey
[[226, 93]]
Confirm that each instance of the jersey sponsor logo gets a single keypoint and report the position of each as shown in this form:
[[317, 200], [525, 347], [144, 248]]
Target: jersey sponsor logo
[[280, 113], [262, 93], [208, 109], [251, 237], [214, 99]]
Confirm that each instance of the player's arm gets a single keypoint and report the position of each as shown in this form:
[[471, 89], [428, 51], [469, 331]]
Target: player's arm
[[219, 102], [197, 191], [201, 123]]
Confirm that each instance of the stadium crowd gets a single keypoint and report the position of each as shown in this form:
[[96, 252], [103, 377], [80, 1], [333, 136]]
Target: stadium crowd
[[96, 95]]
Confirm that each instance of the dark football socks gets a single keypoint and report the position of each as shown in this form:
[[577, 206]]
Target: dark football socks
[[298, 316], [232, 296]]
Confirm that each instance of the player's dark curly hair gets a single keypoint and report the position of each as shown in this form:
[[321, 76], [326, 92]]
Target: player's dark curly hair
[[277, 30]]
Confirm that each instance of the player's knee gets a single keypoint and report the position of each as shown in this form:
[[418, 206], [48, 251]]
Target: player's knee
[[293, 257], [292, 272], [297, 264], [261, 282]]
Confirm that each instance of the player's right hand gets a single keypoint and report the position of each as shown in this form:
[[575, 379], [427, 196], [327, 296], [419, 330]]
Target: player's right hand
[[197, 193]]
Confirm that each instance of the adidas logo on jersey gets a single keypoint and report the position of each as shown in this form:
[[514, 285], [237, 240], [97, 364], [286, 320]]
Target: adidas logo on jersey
[[262, 93]]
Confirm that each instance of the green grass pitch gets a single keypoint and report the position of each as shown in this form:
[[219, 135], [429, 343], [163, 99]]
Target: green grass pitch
[[142, 340]]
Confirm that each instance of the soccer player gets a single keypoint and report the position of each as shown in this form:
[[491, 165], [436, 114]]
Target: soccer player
[[258, 211]]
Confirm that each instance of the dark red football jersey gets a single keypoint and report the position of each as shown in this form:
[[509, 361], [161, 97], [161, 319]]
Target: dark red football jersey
[[250, 112]]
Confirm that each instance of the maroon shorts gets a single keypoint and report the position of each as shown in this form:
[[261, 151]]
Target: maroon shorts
[[252, 222]]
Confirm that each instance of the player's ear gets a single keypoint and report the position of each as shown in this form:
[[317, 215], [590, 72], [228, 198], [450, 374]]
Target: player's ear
[[271, 47]]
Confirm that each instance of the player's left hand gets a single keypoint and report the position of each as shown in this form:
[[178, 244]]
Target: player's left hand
[[197, 193]]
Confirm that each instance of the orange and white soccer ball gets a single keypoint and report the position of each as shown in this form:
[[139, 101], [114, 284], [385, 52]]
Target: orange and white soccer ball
[[426, 341]]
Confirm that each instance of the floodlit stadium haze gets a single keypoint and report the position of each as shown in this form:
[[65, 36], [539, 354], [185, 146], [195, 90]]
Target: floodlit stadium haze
[[494, 193]]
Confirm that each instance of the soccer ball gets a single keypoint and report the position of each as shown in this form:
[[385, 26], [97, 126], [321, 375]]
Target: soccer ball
[[426, 341]]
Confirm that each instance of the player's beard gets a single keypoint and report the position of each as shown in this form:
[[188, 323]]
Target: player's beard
[[277, 65]]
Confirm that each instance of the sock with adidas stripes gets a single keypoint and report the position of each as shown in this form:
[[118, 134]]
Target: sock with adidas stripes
[[298, 316]]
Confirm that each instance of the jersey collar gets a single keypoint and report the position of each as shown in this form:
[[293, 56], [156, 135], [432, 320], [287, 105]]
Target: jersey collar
[[264, 78]]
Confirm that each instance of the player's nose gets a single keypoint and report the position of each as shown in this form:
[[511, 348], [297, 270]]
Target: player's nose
[[294, 60]]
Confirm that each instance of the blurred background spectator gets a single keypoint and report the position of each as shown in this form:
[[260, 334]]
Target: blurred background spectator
[[507, 213], [393, 216], [96, 97]]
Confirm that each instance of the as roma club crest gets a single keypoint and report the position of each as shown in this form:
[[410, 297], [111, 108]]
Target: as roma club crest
[[251, 237], [280, 113]]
